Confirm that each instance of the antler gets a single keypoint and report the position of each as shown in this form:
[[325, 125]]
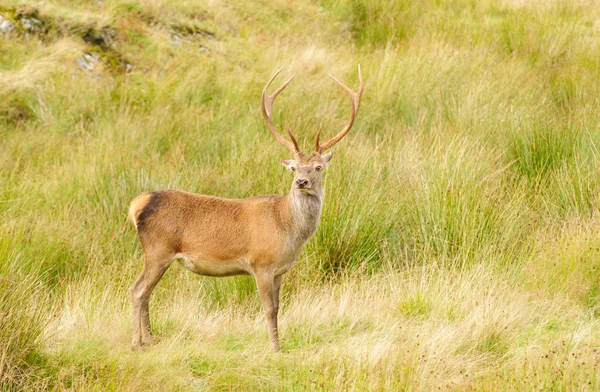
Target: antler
[[355, 103], [267, 107]]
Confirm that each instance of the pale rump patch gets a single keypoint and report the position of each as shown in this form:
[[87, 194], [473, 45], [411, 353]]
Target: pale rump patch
[[136, 206]]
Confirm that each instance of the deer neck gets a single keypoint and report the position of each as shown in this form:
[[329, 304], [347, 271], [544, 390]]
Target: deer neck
[[305, 211]]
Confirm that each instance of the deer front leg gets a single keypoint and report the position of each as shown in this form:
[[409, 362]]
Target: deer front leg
[[276, 287], [266, 289]]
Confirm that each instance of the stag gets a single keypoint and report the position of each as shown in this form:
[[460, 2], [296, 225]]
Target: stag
[[213, 236]]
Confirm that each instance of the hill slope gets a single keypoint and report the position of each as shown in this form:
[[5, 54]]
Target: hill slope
[[458, 248]]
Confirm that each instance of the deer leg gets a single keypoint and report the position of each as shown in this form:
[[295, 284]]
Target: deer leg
[[266, 290], [156, 263], [276, 287]]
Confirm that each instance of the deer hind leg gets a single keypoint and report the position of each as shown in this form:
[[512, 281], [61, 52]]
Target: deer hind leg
[[156, 263], [265, 283]]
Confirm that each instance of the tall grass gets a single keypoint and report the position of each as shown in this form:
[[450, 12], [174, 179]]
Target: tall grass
[[25, 312], [458, 244]]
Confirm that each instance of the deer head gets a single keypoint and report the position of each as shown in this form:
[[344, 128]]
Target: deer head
[[308, 168]]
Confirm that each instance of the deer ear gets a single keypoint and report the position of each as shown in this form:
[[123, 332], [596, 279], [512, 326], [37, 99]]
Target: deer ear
[[327, 157], [288, 164]]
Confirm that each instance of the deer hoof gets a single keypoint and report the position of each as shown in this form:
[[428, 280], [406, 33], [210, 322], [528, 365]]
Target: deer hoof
[[136, 348]]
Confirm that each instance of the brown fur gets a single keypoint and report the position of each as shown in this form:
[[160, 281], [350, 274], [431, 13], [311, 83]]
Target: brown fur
[[213, 229]]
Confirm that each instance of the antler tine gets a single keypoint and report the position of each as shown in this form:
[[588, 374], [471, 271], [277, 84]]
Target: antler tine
[[318, 136], [296, 147], [355, 97], [267, 108]]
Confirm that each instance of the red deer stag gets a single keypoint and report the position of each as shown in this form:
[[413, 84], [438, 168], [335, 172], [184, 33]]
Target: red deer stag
[[213, 236]]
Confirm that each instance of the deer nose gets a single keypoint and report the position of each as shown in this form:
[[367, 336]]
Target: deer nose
[[301, 183]]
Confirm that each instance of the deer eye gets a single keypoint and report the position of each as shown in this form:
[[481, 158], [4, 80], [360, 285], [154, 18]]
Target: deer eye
[[293, 168], [318, 168]]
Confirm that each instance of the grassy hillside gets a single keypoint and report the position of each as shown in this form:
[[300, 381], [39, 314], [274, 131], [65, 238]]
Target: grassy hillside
[[459, 245]]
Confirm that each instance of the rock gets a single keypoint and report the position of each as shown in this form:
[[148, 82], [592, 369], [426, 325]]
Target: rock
[[32, 25], [87, 61], [91, 58], [6, 26], [84, 64], [27, 25]]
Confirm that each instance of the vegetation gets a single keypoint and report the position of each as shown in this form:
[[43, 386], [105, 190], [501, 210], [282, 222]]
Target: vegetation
[[458, 248]]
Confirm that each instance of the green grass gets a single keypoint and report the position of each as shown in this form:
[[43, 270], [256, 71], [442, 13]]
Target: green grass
[[458, 247]]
